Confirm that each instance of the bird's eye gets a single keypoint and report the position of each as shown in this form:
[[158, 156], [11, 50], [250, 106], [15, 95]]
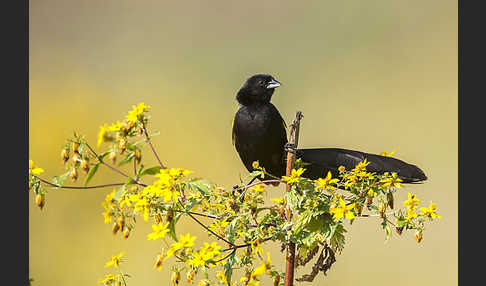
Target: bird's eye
[[261, 83]]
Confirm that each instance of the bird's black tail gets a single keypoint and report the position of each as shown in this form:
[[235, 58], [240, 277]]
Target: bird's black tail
[[323, 160]]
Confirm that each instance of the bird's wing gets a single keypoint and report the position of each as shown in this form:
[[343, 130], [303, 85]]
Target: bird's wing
[[323, 160]]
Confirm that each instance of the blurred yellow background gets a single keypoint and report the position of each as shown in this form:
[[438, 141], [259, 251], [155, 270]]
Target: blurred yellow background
[[368, 75]]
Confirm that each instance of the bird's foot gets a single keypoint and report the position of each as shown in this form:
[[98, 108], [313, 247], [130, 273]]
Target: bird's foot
[[290, 148]]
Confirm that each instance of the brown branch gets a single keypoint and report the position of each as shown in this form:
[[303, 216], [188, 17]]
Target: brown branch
[[290, 254], [113, 168], [151, 146], [207, 228], [78, 188]]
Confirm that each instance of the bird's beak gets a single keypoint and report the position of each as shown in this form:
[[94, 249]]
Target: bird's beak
[[273, 84]]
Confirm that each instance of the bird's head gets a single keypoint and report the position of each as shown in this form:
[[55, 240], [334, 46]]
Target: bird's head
[[257, 89]]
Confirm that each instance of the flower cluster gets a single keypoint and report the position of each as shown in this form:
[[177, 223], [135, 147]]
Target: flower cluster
[[115, 279], [312, 214]]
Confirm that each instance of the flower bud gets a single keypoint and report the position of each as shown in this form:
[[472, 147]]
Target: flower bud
[[169, 216], [190, 276], [126, 233], [382, 210], [75, 146], [138, 156], [234, 206], [76, 158], [112, 156], [85, 165], [368, 202], [418, 236], [121, 222], [115, 228], [73, 174], [158, 218], [117, 283], [389, 199], [158, 261], [176, 277], [359, 208], [126, 126], [255, 165], [399, 229], [40, 200], [65, 155], [276, 280], [122, 145]]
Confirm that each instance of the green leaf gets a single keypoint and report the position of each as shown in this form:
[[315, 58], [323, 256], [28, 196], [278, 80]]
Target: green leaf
[[255, 174], [150, 171], [172, 225], [387, 229], [228, 266], [231, 231], [127, 158], [203, 186], [337, 238], [119, 192], [102, 155], [60, 180], [91, 173]]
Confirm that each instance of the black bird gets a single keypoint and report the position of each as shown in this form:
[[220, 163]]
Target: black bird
[[259, 134]]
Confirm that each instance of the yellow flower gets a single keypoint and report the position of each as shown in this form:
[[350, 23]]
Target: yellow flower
[[107, 215], [222, 278], [342, 210], [197, 260], [203, 283], [264, 266], [115, 126], [115, 260], [384, 153], [411, 214], [102, 134], [158, 262], [159, 231], [255, 247], [371, 193], [412, 201], [322, 184], [136, 111], [108, 279], [258, 189], [219, 226], [431, 211], [208, 251], [185, 241], [170, 194], [392, 181], [33, 169], [294, 176], [124, 200], [361, 166], [280, 200]]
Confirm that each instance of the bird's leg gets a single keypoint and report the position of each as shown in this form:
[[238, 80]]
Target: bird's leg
[[290, 148]]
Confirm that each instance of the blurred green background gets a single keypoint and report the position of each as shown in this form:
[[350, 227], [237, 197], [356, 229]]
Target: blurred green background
[[368, 75]]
